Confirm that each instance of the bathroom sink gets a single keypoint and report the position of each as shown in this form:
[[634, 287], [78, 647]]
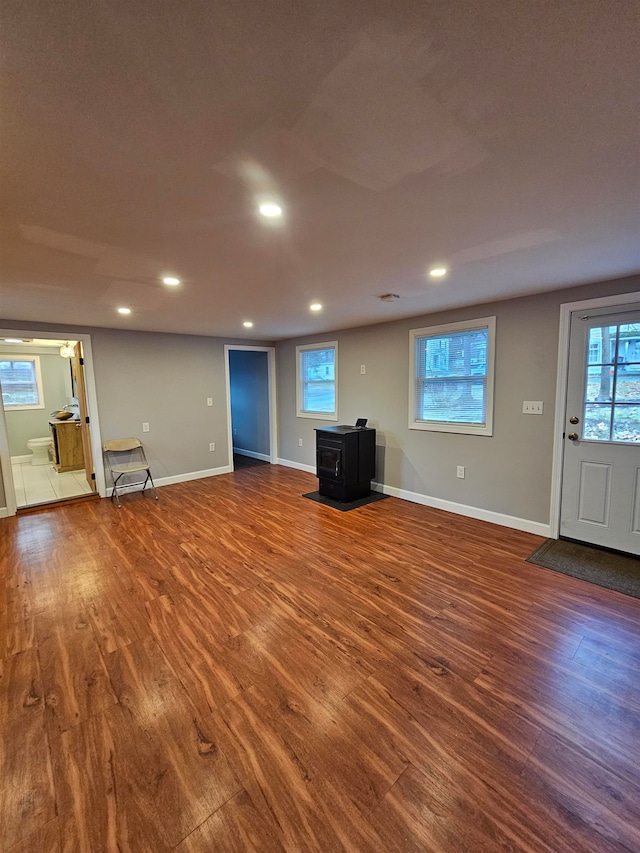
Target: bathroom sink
[[62, 415]]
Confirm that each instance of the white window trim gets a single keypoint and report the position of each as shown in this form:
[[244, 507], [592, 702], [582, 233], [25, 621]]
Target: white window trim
[[20, 407], [320, 416], [444, 426]]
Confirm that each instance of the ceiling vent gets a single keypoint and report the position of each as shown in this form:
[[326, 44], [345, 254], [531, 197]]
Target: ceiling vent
[[388, 297]]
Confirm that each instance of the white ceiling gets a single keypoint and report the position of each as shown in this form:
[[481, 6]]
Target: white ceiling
[[500, 138]]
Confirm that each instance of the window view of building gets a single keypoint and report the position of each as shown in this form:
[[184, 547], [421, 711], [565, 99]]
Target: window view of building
[[612, 383], [317, 386], [453, 374]]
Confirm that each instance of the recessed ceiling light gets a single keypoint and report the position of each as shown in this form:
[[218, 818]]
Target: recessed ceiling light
[[171, 280], [13, 341], [124, 310], [248, 324], [438, 272], [270, 209], [315, 306]]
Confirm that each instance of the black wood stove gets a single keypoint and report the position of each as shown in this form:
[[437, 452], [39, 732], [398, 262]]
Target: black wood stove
[[345, 461]]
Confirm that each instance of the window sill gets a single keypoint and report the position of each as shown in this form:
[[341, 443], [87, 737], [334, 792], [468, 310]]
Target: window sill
[[459, 429], [319, 416]]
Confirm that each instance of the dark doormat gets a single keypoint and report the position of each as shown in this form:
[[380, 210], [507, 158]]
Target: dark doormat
[[345, 507], [605, 568]]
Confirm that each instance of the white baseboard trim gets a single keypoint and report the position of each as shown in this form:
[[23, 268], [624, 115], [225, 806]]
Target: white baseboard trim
[[448, 506], [193, 475], [19, 460], [4, 512], [300, 466], [512, 521], [252, 453], [176, 478]]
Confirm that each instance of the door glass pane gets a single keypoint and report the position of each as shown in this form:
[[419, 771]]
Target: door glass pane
[[602, 343], [599, 384], [613, 378], [629, 342], [627, 386], [597, 422], [626, 423]]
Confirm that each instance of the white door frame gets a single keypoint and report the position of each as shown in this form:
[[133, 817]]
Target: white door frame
[[273, 406], [566, 309], [92, 409]]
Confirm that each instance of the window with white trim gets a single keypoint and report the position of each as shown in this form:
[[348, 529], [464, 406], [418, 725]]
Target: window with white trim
[[451, 377], [317, 381], [21, 382]]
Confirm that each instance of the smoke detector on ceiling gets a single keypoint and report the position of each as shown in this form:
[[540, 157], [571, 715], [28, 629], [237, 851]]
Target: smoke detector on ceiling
[[388, 297]]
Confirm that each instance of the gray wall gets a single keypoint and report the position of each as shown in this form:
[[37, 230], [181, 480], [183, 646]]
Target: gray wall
[[56, 386], [163, 380], [249, 380], [509, 472]]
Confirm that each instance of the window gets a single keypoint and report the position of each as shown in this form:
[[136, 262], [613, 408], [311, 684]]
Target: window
[[21, 382], [451, 378], [612, 384], [317, 385]]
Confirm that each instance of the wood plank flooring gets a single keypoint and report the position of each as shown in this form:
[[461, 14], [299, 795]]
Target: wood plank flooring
[[236, 668]]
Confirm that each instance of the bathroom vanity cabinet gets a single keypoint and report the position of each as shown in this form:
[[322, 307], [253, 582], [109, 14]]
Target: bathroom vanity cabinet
[[67, 445]]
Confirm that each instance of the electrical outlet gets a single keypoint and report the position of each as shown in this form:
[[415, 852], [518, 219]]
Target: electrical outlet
[[532, 407], [145, 427], [212, 445], [363, 368], [209, 401], [460, 472], [299, 442]]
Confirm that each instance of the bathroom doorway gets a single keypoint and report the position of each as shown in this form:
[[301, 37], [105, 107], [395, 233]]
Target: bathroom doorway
[[46, 447]]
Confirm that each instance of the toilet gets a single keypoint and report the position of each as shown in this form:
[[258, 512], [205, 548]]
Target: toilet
[[39, 447]]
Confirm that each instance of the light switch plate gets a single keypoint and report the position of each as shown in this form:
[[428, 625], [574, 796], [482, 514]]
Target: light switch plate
[[532, 407]]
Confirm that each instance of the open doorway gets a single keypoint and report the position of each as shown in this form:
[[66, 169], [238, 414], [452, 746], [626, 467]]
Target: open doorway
[[45, 441], [251, 405]]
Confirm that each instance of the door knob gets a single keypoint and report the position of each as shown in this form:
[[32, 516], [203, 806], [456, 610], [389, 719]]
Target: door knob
[[574, 420], [573, 436]]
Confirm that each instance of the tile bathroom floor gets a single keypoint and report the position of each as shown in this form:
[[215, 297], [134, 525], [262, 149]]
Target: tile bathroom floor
[[38, 484]]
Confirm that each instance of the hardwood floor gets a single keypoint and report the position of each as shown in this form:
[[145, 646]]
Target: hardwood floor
[[237, 668]]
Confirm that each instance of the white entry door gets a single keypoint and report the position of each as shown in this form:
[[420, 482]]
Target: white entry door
[[601, 470]]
